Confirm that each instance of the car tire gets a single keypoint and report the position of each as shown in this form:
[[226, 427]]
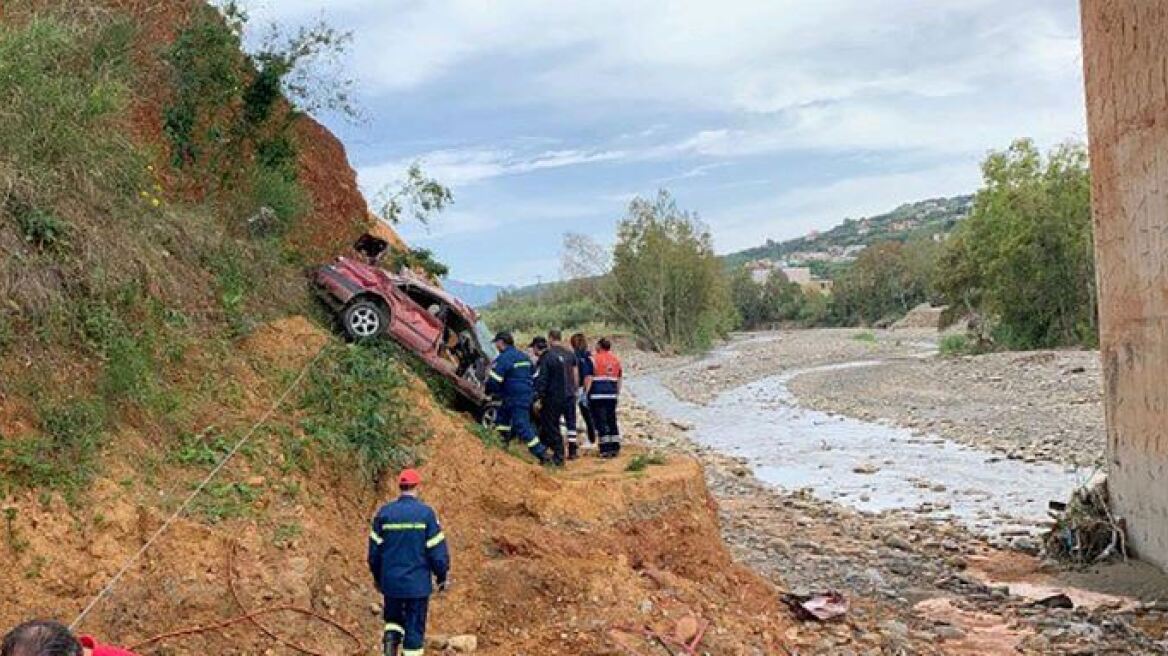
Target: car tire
[[489, 416], [365, 319]]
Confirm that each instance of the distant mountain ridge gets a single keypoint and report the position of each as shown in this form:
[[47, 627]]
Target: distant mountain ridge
[[474, 294], [925, 217]]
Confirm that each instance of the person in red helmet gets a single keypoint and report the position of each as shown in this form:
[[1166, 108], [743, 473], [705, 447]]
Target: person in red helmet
[[407, 549], [47, 638]]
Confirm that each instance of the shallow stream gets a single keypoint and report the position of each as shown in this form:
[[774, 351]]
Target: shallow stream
[[871, 466]]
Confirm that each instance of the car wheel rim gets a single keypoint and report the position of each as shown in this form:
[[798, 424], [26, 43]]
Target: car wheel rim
[[364, 322]]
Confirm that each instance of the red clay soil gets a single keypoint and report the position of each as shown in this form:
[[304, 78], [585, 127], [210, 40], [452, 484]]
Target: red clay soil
[[580, 562]]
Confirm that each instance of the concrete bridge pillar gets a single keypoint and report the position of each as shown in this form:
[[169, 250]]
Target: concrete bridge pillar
[[1125, 55]]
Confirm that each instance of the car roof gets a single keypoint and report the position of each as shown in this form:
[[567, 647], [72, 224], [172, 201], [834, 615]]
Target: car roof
[[409, 277]]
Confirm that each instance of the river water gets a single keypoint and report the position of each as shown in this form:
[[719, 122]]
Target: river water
[[870, 466]]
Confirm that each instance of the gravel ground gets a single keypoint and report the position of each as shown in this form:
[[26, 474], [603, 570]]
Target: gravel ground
[[894, 567], [1041, 406]]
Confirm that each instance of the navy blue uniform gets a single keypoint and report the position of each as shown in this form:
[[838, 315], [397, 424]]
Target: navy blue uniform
[[407, 549], [585, 370], [511, 379], [552, 391]]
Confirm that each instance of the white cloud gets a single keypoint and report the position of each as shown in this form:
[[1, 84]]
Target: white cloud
[[462, 167]]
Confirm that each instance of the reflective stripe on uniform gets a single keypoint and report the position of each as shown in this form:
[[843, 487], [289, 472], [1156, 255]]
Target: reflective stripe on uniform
[[533, 443], [436, 540], [495, 376], [604, 397], [607, 379], [413, 652], [375, 537], [521, 363], [501, 427], [390, 627], [403, 527]]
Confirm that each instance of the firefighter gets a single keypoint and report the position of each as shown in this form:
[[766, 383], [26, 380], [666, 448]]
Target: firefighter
[[406, 549], [603, 394], [46, 638], [571, 384], [551, 397], [584, 374], [511, 380]]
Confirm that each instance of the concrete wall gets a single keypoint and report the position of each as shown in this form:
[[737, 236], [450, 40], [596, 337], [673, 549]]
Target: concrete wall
[[1125, 44]]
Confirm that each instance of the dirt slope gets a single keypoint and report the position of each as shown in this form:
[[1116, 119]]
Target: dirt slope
[[544, 563]]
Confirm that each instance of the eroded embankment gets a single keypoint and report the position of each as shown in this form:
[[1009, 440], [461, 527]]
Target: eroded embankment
[[544, 563]]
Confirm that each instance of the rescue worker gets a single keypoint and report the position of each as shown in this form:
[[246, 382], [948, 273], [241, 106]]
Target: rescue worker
[[406, 549], [551, 397], [584, 374], [603, 394], [510, 379], [47, 638], [571, 384]]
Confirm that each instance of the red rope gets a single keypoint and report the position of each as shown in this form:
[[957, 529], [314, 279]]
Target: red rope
[[252, 618]]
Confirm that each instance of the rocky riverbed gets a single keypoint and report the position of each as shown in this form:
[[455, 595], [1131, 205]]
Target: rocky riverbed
[[919, 584]]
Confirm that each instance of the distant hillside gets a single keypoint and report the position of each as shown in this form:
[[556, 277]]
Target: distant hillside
[[474, 294], [935, 215]]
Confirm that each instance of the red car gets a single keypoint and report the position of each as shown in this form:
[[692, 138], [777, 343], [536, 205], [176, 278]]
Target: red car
[[446, 333]]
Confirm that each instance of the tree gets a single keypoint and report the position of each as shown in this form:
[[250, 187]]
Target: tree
[[661, 279], [1024, 257], [885, 281]]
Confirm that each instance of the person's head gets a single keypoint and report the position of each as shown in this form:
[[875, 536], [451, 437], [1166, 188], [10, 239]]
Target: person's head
[[41, 638], [555, 336], [579, 342], [539, 345], [409, 481], [604, 344], [503, 340]]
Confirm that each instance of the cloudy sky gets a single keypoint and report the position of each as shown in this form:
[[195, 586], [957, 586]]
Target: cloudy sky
[[767, 117]]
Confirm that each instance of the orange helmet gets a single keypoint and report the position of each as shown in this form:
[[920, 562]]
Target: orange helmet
[[409, 478]]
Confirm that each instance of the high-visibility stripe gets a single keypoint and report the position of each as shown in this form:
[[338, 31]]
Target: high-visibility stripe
[[390, 627], [403, 527], [502, 428], [413, 652], [521, 364], [375, 537], [495, 376], [604, 397], [533, 443], [436, 540], [605, 379]]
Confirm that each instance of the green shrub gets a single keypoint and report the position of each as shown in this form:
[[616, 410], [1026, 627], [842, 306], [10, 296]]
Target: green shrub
[[279, 191], [64, 457], [952, 345], [65, 85], [358, 406], [223, 501], [643, 461]]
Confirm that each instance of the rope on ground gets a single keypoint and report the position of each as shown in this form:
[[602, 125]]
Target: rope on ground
[[252, 617], [197, 491]]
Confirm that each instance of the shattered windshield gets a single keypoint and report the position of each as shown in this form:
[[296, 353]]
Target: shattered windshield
[[486, 340]]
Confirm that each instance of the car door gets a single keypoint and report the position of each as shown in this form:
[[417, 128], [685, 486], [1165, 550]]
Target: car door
[[414, 326]]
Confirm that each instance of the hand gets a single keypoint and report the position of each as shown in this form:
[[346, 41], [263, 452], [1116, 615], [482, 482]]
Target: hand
[[443, 586]]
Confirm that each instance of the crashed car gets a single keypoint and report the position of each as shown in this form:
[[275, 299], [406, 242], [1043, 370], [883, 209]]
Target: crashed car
[[369, 302]]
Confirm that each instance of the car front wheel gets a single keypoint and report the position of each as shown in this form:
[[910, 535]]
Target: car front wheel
[[365, 319]]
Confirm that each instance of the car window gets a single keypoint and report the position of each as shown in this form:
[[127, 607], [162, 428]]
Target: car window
[[486, 340]]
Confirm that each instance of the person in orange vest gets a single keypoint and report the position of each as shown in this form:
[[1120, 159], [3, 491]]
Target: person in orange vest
[[603, 394], [48, 638]]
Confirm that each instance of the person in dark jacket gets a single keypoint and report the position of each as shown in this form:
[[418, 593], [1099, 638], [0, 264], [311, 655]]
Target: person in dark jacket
[[584, 371], [571, 384], [551, 397], [406, 549], [511, 380]]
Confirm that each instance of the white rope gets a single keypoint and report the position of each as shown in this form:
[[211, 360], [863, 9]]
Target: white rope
[[186, 504]]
